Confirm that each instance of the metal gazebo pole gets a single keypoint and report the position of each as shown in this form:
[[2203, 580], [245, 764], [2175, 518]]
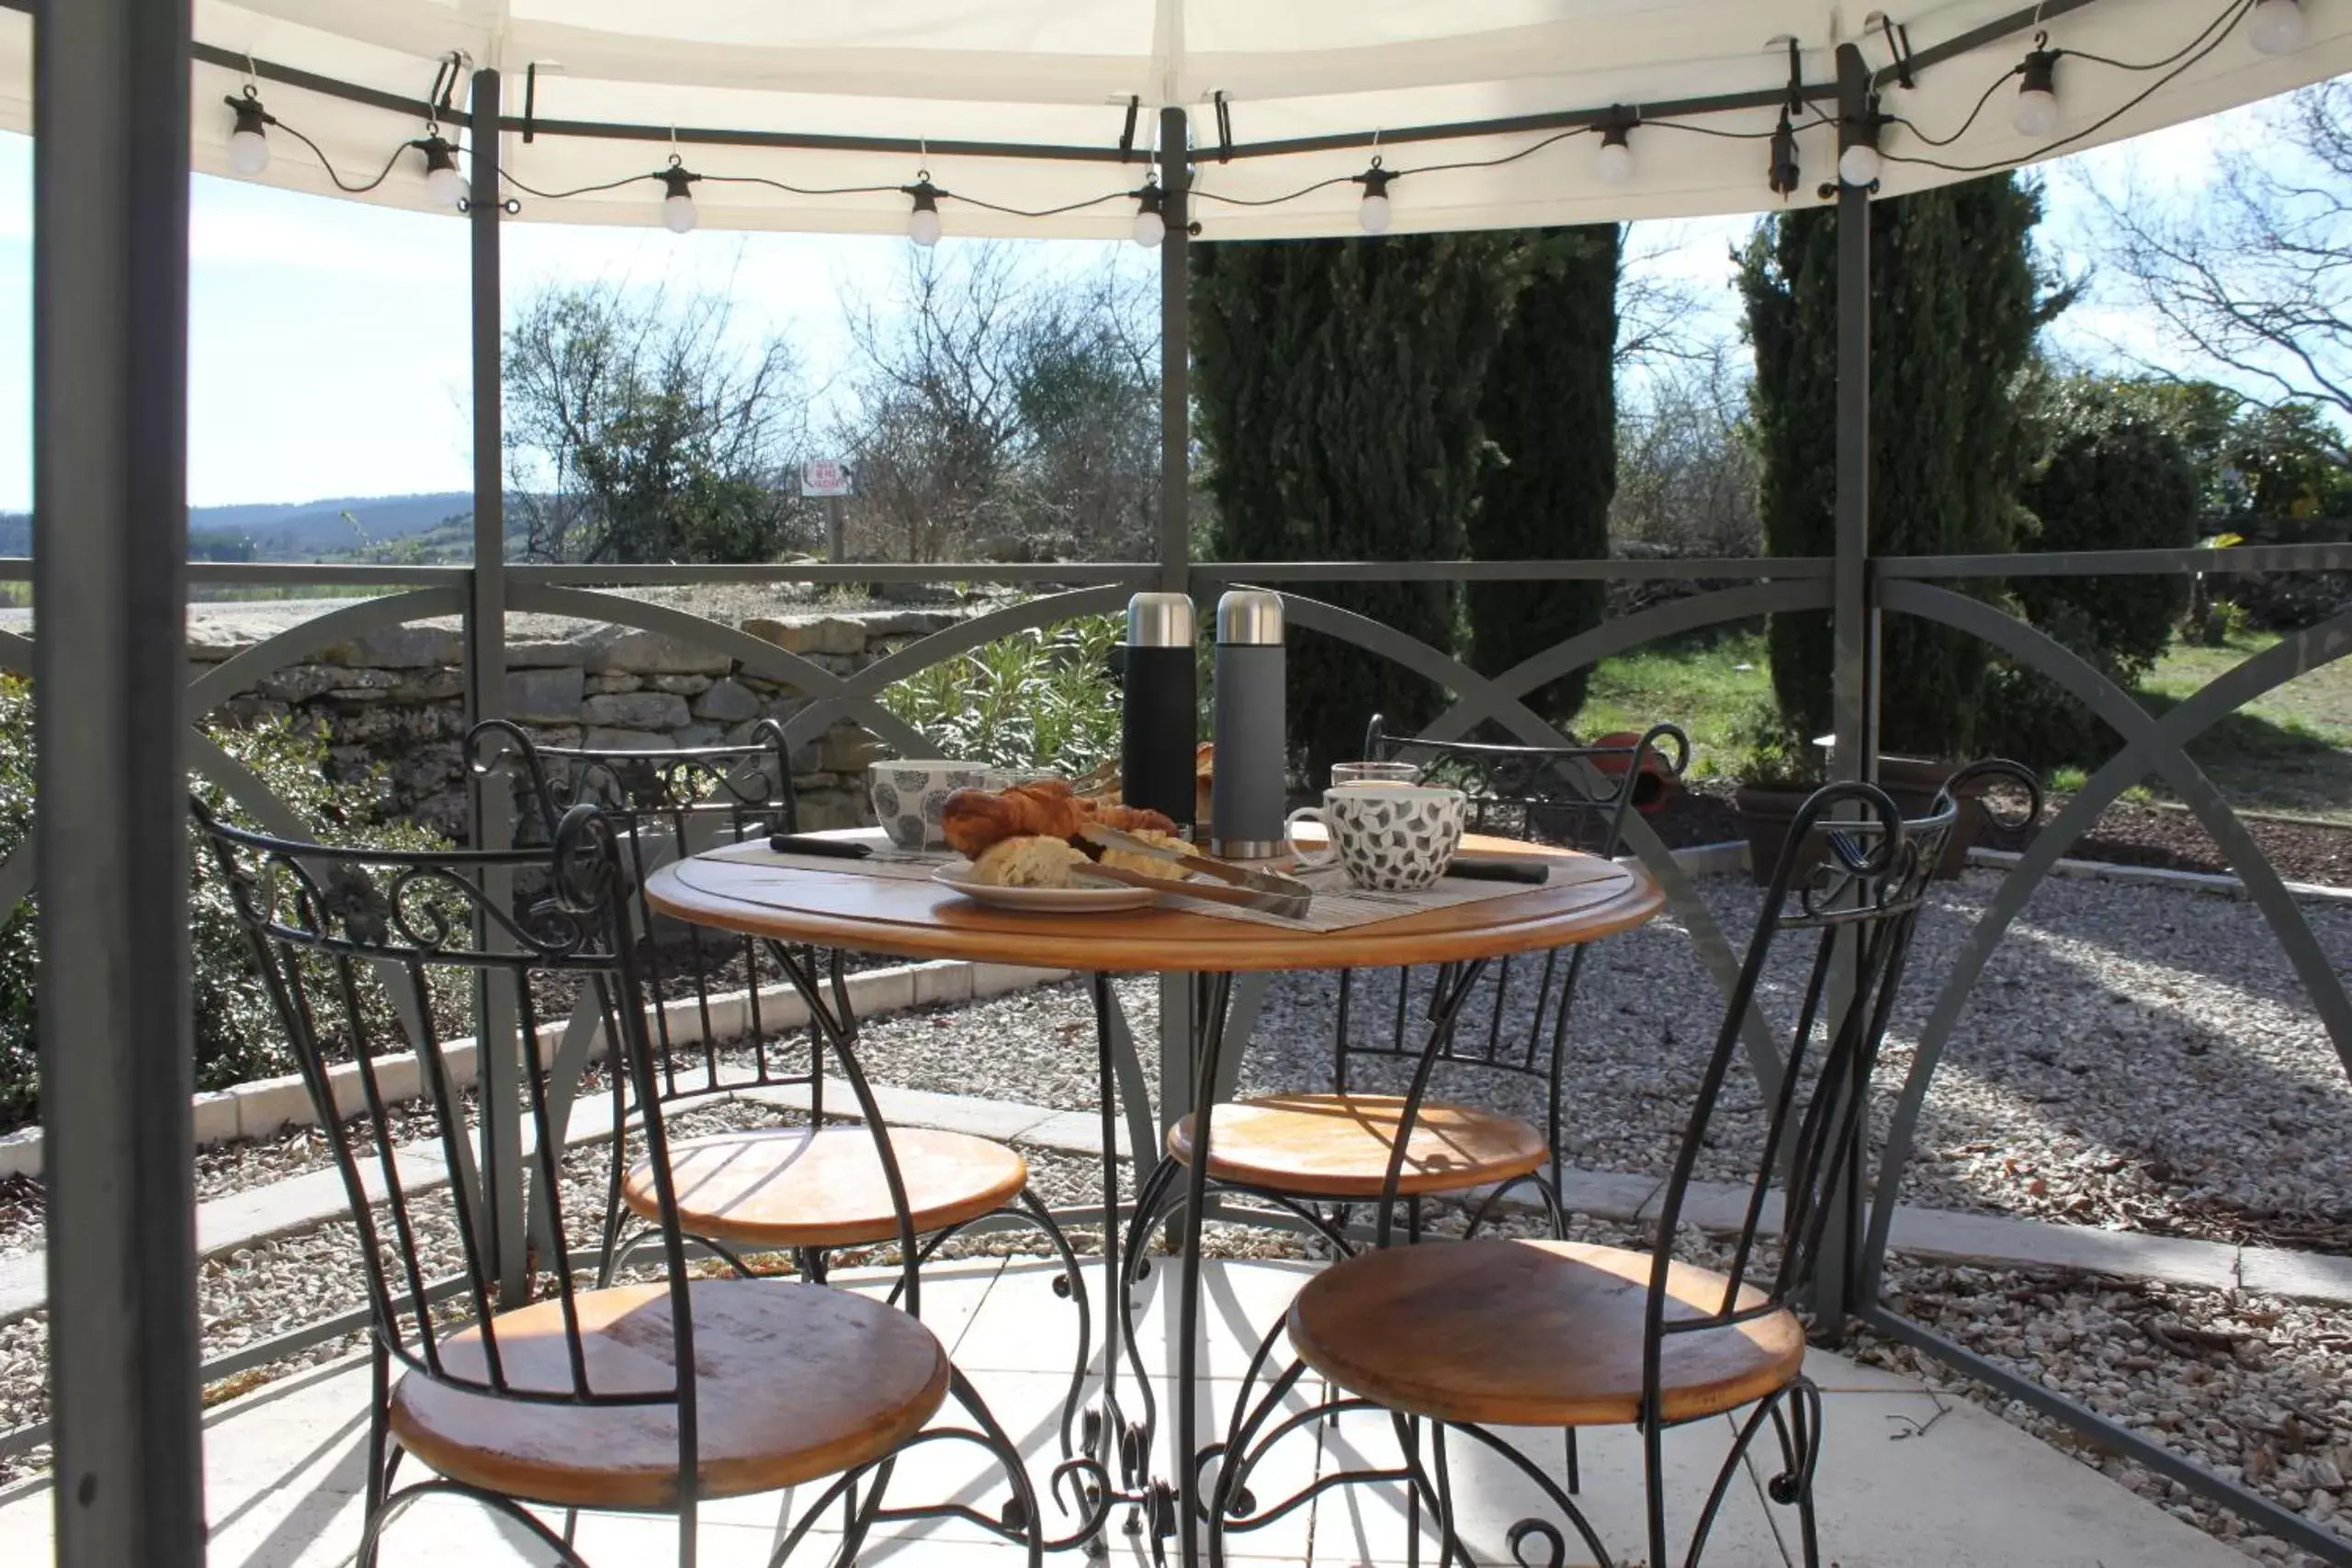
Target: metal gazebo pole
[[1854, 625], [109, 583], [1175, 347], [1176, 1023], [494, 1006]]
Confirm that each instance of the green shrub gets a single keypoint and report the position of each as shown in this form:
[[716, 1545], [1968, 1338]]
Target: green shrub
[[1339, 384], [1042, 698], [1550, 408], [237, 1033], [2116, 482], [1957, 302], [2031, 719], [1769, 754]]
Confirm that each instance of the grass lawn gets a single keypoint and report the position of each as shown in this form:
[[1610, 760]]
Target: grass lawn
[[1706, 690], [2290, 751]]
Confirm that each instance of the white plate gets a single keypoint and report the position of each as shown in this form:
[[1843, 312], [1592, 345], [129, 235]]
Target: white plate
[[1068, 900]]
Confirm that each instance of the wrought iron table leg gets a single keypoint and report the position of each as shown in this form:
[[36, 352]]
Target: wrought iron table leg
[[1208, 1027], [1108, 1434]]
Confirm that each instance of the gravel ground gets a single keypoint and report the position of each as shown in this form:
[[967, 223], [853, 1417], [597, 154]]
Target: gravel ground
[[2252, 1387], [2132, 1058]]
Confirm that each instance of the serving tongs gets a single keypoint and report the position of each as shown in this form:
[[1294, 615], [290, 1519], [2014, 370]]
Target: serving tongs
[[1270, 891]]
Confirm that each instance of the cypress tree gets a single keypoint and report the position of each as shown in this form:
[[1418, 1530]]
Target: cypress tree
[[1550, 409], [1954, 312], [1337, 385]]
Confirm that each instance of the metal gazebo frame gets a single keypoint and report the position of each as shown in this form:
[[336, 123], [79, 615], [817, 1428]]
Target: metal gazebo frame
[[110, 578]]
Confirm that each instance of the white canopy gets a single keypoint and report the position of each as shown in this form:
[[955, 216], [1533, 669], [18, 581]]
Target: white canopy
[[1062, 73]]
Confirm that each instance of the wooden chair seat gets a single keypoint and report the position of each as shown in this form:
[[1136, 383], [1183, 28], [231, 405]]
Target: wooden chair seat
[[794, 1381], [1337, 1146], [793, 1186], [1533, 1333]]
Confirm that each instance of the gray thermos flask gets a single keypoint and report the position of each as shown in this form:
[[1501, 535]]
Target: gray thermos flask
[[1160, 715], [1247, 793]]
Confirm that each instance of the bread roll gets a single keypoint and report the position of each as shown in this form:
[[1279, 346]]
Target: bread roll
[[1031, 861], [1150, 865]]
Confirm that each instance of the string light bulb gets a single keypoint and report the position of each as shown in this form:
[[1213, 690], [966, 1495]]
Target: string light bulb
[[1372, 213], [678, 213], [248, 142], [2278, 26], [922, 223], [1151, 221], [442, 181], [2036, 111], [1858, 156], [1614, 162]]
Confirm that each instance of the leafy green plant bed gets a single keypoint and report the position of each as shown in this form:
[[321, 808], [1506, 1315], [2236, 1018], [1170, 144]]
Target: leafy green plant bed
[[237, 1034]]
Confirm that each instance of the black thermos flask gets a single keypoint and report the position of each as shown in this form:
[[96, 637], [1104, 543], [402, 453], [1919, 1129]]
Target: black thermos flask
[[1159, 722], [1246, 795]]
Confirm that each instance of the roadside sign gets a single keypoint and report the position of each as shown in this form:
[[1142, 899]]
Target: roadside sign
[[826, 476]]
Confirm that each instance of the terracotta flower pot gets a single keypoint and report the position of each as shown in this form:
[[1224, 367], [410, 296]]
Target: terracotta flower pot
[[1655, 783], [1914, 782]]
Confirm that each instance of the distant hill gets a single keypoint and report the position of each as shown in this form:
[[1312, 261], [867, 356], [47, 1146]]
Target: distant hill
[[306, 530]]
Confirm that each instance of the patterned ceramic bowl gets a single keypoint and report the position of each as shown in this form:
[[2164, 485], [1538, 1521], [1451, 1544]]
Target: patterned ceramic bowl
[[910, 796]]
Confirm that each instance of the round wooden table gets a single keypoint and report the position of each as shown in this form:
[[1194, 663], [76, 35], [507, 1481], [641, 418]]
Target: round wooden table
[[1585, 899]]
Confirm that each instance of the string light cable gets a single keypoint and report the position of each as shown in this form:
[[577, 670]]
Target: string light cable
[[2170, 69], [1613, 127]]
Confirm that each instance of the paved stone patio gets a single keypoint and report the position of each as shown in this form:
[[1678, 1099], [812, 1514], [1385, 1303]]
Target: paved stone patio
[[1908, 1480]]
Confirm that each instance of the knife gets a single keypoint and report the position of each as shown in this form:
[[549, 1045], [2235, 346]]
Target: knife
[[809, 844], [1532, 873], [1266, 890]]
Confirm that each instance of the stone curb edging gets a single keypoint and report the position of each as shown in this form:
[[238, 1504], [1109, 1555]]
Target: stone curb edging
[[1710, 860], [266, 1106], [2214, 882]]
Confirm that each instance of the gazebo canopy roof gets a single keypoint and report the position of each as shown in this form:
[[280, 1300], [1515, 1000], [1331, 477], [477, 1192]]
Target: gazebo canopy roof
[[752, 87]]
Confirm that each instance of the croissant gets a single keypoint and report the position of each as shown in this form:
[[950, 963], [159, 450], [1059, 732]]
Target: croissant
[[1134, 819], [974, 819]]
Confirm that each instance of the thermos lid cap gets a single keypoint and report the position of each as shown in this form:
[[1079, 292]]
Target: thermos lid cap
[[1161, 620], [1249, 615]]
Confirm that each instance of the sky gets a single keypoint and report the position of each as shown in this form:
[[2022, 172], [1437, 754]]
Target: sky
[[328, 339]]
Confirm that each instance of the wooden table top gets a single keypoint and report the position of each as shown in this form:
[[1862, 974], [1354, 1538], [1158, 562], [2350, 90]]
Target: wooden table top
[[1591, 899]]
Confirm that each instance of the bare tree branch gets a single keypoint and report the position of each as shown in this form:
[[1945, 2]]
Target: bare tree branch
[[2252, 279]]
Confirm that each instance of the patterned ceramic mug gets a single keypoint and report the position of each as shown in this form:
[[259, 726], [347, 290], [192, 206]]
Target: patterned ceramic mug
[[1391, 838], [910, 796]]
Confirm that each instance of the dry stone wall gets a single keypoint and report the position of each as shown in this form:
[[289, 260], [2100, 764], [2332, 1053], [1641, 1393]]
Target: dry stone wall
[[393, 705]]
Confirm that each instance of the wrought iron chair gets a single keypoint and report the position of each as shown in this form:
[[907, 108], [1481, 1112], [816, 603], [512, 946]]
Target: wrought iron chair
[[1454, 1337], [1339, 1148], [811, 1191], [1320, 1157], [575, 1400]]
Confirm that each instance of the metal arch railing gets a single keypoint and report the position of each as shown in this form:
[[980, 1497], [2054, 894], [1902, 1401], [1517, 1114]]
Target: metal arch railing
[[2166, 756], [2150, 743], [1626, 632]]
